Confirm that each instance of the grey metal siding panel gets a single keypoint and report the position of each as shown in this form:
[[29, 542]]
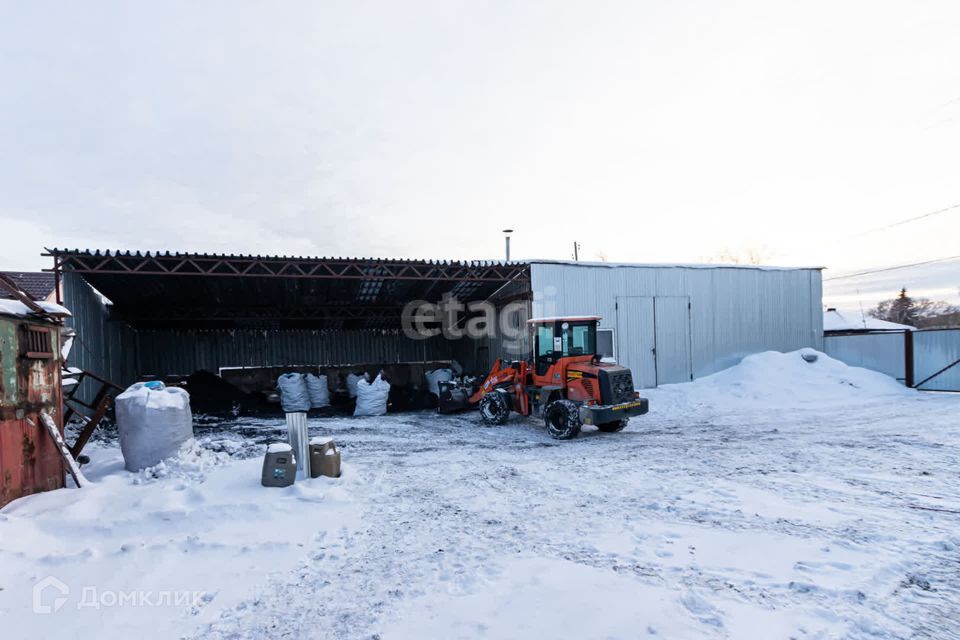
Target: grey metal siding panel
[[734, 311], [932, 351], [883, 352], [672, 326], [102, 346], [635, 322]]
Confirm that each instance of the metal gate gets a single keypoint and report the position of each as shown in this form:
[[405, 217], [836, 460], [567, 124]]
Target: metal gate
[[883, 352], [936, 359], [926, 359], [653, 339]]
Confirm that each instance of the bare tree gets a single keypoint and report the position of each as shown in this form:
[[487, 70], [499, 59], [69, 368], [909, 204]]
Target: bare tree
[[917, 312], [747, 255]]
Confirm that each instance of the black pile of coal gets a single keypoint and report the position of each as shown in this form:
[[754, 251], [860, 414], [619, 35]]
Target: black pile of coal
[[209, 393], [410, 399]]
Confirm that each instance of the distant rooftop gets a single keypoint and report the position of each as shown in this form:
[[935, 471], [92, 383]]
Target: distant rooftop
[[37, 285], [834, 320]]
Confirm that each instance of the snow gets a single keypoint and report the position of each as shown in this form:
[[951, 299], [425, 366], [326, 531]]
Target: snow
[[280, 447], [547, 319], [834, 320], [672, 265], [776, 499], [20, 310], [774, 380]]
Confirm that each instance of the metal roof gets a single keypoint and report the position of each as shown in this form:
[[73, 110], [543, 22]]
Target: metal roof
[[550, 319], [201, 290], [675, 265]]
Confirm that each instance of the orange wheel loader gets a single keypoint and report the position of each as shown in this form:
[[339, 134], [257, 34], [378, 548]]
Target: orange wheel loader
[[564, 382]]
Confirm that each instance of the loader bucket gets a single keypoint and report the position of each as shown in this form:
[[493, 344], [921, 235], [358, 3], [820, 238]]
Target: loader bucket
[[453, 397]]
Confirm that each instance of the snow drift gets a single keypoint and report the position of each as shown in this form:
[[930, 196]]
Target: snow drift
[[776, 380]]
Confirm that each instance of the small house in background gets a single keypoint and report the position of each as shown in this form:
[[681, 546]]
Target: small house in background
[[40, 286], [836, 322], [30, 383]]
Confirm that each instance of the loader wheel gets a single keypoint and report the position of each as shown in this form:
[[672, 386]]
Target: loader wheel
[[613, 427], [562, 418], [494, 408]]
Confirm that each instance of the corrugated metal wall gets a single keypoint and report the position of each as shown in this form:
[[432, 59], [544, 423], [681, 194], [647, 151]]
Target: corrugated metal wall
[[121, 354], [932, 351], [734, 311], [104, 347], [883, 352], [168, 352]]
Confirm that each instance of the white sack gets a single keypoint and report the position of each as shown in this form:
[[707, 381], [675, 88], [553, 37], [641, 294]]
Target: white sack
[[293, 393], [435, 377], [372, 397], [352, 380], [317, 390], [153, 424]]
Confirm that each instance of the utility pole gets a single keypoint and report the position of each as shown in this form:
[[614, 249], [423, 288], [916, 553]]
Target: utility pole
[[507, 233], [576, 251]]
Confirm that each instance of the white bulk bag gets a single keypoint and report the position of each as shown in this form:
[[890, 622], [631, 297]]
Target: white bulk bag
[[372, 397], [352, 380], [317, 390], [293, 393], [153, 423], [435, 377]]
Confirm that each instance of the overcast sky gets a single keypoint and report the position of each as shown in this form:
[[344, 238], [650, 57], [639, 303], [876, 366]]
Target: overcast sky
[[649, 131]]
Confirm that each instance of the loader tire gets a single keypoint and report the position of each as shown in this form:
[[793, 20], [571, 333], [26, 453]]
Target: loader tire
[[494, 408], [562, 418], [613, 427]]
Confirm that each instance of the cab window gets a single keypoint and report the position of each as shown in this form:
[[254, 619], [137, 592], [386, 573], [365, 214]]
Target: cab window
[[544, 339], [579, 339]]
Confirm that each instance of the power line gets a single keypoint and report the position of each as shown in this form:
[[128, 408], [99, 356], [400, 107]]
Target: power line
[[901, 266], [925, 215], [908, 220], [837, 239]]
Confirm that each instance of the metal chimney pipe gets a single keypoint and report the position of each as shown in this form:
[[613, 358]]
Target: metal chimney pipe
[[507, 238]]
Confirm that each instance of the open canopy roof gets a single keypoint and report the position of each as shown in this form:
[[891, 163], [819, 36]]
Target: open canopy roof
[[188, 290]]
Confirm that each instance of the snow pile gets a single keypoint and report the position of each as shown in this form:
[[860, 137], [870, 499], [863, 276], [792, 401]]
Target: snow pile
[[193, 461], [184, 549], [776, 380]]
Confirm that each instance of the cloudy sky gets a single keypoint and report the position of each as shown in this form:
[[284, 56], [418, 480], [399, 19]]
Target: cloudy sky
[[648, 131]]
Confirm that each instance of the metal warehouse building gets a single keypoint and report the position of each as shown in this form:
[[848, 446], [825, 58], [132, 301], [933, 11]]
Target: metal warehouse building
[[173, 314], [674, 323]]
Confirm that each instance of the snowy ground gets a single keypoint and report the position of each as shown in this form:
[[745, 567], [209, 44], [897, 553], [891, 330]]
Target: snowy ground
[[778, 499]]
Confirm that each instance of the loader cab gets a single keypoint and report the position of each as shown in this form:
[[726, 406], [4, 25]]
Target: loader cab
[[564, 337]]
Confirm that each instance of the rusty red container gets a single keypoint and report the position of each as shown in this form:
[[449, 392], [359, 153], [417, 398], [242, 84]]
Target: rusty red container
[[30, 382]]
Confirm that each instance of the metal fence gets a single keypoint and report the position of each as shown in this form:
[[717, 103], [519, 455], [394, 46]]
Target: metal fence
[[926, 359]]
